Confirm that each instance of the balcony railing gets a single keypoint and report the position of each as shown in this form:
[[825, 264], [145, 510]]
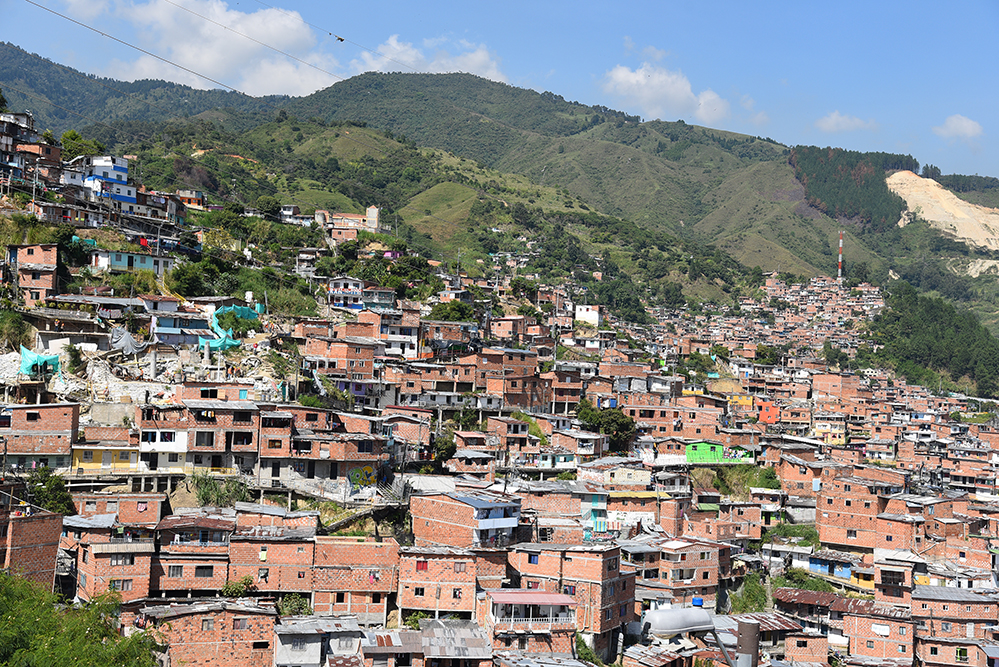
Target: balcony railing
[[537, 621]]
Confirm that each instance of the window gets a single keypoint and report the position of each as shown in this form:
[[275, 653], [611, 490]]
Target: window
[[901, 648], [421, 565], [870, 644], [241, 416], [901, 631], [933, 650], [204, 571], [568, 590], [612, 564], [90, 505], [459, 567], [273, 444], [376, 598], [263, 573], [175, 571], [888, 538], [801, 643], [946, 627], [533, 585], [532, 559], [123, 559], [455, 593], [261, 646], [418, 591], [704, 575], [207, 624], [961, 655], [33, 416], [298, 644], [608, 614], [851, 534], [204, 439], [120, 585], [341, 598], [173, 458]]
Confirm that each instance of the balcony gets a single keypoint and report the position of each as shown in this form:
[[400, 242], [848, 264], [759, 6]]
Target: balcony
[[535, 624]]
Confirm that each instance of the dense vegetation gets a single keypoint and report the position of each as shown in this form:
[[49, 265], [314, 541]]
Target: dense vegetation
[[851, 184], [37, 630], [917, 334]]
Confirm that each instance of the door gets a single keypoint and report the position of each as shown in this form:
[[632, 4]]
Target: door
[[311, 470], [131, 262], [106, 459], [133, 460], [216, 460], [276, 469]]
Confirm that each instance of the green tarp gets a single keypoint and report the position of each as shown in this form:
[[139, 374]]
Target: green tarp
[[38, 365]]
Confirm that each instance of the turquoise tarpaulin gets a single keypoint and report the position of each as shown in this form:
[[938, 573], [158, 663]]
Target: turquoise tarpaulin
[[35, 364], [225, 339]]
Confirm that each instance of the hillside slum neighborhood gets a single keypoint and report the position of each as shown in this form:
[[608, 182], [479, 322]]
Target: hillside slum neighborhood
[[538, 540]]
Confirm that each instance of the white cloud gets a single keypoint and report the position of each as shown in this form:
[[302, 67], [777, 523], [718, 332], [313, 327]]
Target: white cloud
[[225, 54], [395, 55], [759, 118], [86, 9], [958, 127], [652, 53], [837, 122], [659, 92]]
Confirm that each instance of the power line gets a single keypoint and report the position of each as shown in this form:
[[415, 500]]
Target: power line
[[133, 46], [254, 40], [338, 37]]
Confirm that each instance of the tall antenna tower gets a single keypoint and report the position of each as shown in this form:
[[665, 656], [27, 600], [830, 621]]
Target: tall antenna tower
[[839, 272]]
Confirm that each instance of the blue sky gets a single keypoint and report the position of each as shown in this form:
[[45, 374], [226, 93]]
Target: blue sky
[[910, 77]]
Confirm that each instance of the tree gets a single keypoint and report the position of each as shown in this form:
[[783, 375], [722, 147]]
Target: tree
[[294, 604], [269, 207], [36, 630], [610, 421], [14, 331], [452, 311], [3, 101], [74, 145], [49, 491]]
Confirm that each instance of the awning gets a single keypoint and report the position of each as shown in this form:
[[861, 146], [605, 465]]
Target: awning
[[530, 597]]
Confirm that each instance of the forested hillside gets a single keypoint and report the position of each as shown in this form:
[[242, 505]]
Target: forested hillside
[[850, 184], [61, 98]]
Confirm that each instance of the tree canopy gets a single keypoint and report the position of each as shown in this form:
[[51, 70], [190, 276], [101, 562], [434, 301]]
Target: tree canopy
[[37, 631]]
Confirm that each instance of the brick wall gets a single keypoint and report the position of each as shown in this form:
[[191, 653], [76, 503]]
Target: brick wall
[[29, 544], [230, 638], [284, 566], [437, 583]]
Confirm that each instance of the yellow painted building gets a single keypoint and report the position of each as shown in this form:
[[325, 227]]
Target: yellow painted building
[[94, 457]]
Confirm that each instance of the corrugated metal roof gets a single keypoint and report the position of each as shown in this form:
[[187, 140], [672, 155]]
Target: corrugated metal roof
[[794, 595], [174, 522], [454, 639]]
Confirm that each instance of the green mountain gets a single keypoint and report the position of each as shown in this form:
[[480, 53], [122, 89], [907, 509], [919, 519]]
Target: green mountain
[[629, 192]]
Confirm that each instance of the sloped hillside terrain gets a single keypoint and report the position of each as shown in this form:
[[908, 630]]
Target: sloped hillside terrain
[[943, 210]]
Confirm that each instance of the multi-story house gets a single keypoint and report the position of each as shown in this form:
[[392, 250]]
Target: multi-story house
[[39, 435], [591, 575], [465, 519], [439, 581], [355, 576], [34, 271]]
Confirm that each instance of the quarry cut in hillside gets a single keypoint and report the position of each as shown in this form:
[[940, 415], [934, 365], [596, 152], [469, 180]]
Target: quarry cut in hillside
[[945, 211]]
